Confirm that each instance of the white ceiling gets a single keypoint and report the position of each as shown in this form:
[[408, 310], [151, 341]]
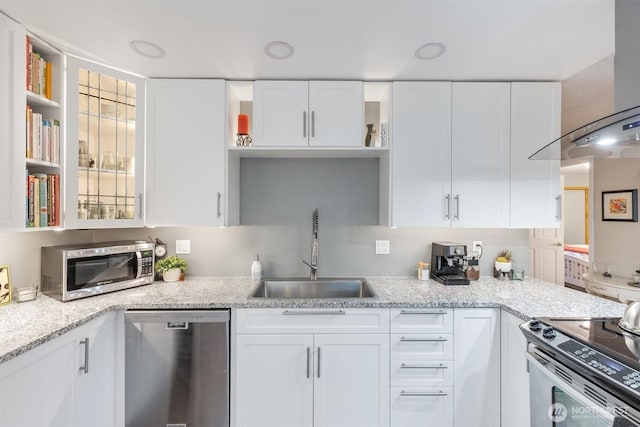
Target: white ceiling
[[333, 39]]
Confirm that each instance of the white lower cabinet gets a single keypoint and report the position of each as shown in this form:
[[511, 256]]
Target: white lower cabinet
[[69, 381], [515, 378], [308, 377], [421, 407], [476, 385]]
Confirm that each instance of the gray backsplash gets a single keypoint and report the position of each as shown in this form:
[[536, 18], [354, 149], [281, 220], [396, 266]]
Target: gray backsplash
[[344, 250]]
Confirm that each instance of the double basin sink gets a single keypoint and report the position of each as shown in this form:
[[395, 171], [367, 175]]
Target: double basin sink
[[307, 288]]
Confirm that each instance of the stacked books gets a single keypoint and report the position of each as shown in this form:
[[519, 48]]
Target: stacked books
[[43, 137], [38, 72], [43, 200]]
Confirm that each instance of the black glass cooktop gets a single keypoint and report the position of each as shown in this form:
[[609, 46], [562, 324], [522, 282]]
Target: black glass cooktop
[[603, 334]]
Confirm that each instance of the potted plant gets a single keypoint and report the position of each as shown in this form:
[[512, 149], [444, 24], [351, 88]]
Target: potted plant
[[503, 261], [171, 268]]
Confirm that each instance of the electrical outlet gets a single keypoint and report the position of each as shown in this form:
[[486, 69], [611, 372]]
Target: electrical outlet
[[183, 246], [383, 247], [477, 246]]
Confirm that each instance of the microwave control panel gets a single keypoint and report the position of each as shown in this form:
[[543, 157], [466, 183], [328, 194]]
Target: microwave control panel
[[147, 263]]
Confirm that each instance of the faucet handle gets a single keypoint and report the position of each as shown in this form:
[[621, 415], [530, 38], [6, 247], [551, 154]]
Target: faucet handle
[[312, 267]]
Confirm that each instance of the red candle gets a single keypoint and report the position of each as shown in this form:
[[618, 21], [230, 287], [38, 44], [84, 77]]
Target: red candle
[[243, 124]]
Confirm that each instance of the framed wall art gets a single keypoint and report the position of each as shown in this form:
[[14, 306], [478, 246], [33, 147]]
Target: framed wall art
[[621, 205], [5, 285]]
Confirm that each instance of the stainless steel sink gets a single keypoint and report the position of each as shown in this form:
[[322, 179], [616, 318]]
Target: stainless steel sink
[[307, 288]]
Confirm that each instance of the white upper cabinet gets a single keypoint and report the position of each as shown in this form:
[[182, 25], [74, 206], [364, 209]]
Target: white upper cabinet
[[105, 147], [481, 154], [185, 152], [302, 114], [535, 184], [421, 161]]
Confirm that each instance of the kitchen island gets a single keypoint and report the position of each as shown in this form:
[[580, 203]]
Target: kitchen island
[[27, 325]]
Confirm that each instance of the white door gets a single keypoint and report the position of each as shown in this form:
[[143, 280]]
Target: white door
[[421, 168], [535, 184], [274, 384], [336, 112], [12, 134], [37, 389], [546, 254], [480, 150], [351, 380], [476, 367], [185, 152], [515, 376], [280, 113]]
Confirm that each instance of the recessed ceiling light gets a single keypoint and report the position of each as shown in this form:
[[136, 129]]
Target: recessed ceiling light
[[430, 51], [278, 50], [606, 141], [148, 49]]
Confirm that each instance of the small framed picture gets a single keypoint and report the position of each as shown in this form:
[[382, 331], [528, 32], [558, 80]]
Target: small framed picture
[[621, 205], [5, 285]]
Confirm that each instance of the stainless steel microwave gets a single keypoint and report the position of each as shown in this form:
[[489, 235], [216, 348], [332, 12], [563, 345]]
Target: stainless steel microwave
[[82, 270]]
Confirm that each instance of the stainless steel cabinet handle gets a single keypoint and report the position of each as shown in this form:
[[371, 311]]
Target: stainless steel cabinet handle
[[177, 325], [403, 339], [307, 313], [456, 214], [85, 368], [140, 201], [304, 124], [313, 124], [559, 207], [219, 211], [447, 206], [308, 362], [318, 362], [438, 366], [417, 393], [423, 312]]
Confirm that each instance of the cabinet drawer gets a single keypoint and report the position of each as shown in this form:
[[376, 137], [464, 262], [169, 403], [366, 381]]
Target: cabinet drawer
[[307, 320], [422, 346], [419, 407], [407, 373], [421, 320]]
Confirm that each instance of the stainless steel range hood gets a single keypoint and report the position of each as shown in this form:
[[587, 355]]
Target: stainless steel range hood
[[614, 136]]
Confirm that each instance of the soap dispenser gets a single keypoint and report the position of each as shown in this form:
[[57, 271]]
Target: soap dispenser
[[256, 269]]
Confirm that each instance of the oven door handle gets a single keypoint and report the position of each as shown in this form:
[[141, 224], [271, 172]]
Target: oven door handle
[[539, 363]]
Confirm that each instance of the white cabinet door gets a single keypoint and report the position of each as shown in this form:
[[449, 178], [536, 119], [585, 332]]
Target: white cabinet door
[[38, 388], [12, 134], [280, 113], [185, 152], [476, 367], [535, 184], [514, 379], [480, 150], [421, 162], [274, 381], [105, 110], [421, 407], [351, 386], [336, 112]]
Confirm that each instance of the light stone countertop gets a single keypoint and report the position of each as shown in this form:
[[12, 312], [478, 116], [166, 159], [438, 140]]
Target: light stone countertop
[[29, 324]]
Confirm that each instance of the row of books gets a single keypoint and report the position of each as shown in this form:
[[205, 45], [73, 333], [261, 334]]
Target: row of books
[[43, 137], [38, 72], [43, 200]]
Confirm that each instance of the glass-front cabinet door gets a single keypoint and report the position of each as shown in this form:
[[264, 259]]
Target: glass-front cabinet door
[[105, 146]]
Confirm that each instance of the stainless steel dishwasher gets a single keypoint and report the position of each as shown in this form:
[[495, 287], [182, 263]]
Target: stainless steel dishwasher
[[177, 368]]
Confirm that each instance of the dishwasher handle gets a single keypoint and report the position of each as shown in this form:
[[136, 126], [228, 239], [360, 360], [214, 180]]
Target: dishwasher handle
[[177, 325]]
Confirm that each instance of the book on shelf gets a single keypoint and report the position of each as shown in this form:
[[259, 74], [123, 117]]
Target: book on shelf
[[43, 137], [38, 71], [29, 144], [43, 200]]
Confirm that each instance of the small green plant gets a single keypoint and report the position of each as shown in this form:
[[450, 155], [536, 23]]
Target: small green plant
[[171, 262], [504, 256]]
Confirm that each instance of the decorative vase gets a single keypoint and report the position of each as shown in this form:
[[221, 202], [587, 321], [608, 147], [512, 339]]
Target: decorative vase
[[367, 138], [172, 275], [503, 267]]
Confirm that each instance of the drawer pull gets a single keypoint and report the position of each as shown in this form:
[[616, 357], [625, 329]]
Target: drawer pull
[[422, 393], [403, 339], [439, 366], [308, 313], [423, 312]]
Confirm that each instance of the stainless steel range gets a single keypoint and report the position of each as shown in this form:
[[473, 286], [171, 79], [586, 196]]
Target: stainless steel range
[[583, 372]]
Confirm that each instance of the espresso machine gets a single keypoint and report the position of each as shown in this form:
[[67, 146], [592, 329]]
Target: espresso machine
[[447, 263]]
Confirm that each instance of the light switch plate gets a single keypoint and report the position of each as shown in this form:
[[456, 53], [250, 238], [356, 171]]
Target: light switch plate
[[183, 246], [383, 247]]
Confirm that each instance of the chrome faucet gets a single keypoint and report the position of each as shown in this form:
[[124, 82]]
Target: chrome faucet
[[313, 275]]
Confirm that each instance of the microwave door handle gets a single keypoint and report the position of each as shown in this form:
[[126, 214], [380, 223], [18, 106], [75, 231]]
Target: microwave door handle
[[139, 263], [538, 363]]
